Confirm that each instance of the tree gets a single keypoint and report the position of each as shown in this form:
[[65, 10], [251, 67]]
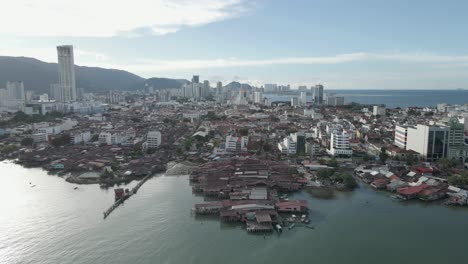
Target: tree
[[188, 143], [347, 180], [244, 131], [365, 157], [383, 155], [106, 174], [179, 152], [410, 159], [94, 138], [324, 174], [61, 140], [447, 164], [27, 142], [332, 163], [413, 112], [210, 98], [292, 171], [8, 149], [199, 145], [459, 180]]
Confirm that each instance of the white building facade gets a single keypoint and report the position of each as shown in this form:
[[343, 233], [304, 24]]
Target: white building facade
[[429, 141], [153, 139], [339, 144], [66, 64], [401, 136]]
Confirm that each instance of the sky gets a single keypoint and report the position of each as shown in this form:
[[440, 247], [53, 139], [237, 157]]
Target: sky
[[359, 44]]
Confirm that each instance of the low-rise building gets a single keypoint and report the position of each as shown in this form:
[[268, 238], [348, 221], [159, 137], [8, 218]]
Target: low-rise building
[[288, 146], [379, 110], [236, 143], [153, 140], [80, 137]]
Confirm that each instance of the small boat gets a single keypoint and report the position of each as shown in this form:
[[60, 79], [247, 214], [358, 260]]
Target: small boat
[[307, 221], [291, 226], [310, 227], [279, 228], [33, 186], [75, 188], [398, 198]]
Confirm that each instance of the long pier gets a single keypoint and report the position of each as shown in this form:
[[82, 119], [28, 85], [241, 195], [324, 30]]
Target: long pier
[[125, 197]]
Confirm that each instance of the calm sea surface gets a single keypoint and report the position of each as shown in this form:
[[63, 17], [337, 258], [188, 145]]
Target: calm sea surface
[[395, 98], [52, 223]]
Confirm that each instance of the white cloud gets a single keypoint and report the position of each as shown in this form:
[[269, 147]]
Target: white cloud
[[106, 18], [145, 66]]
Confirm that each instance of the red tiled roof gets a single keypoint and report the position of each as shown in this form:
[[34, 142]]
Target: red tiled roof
[[412, 190], [423, 170], [292, 203]]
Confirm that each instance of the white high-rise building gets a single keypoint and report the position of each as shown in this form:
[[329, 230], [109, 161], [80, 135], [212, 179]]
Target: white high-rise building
[[335, 100], [3, 97], [456, 147], [429, 141], [188, 90], [56, 92], [379, 110], [339, 144], [153, 139], [206, 88], [294, 101], [16, 91], [219, 87], [236, 143], [401, 136], [303, 97], [66, 65], [288, 146], [197, 90], [258, 97]]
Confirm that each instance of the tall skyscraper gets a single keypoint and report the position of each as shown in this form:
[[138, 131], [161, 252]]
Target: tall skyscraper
[[188, 90], [303, 98], [196, 79], [3, 97], [206, 88], [56, 92], [219, 87], [318, 94], [16, 91], [66, 64]]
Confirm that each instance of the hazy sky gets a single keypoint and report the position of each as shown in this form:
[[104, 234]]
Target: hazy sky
[[382, 44]]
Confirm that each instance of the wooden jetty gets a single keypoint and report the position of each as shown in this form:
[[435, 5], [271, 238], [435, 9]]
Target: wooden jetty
[[125, 197]]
